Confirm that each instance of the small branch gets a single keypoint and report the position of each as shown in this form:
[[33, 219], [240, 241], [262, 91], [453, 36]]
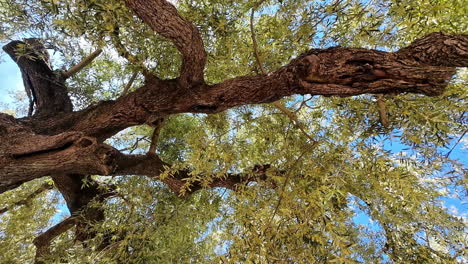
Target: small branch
[[130, 82], [254, 39], [85, 62], [122, 50], [42, 242], [294, 118], [134, 146], [154, 138], [458, 141], [132, 59], [283, 188], [181, 182], [44, 187]]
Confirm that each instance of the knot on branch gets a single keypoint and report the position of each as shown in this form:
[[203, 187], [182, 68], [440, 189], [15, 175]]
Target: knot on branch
[[98, 157], [85, 142], [309, 69]]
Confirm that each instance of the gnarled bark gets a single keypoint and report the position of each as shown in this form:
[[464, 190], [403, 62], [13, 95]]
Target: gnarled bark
[[47, 88], [329, 72], [164, 19]]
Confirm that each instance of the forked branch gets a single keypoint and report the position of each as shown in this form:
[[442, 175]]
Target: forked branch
[[164, 19]]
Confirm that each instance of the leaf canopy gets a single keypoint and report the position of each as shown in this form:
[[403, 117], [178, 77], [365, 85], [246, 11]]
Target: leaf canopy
[[311, 209]]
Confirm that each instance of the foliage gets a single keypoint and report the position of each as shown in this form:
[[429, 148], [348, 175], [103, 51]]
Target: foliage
[[306, 212]]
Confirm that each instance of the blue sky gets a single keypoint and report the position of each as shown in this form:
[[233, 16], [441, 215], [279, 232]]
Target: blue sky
[[10, 78]]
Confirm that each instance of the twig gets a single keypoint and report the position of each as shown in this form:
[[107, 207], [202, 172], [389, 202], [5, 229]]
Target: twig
[[122, 51], [283, 188], [254, 39], [135, 145], [458, 141]]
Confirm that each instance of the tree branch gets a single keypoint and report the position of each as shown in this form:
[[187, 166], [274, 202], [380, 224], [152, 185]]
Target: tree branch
[[47, 89], [85, 62], [329, 72], [334, 71], [382, 108], [277, 104], [155, 136], [164, 19], [130, 83], [44, 187], [25, 156], [438, 49], [254, 39], [181, 182], [42, 242]]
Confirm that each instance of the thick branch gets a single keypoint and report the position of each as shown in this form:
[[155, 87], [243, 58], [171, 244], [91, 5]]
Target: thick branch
[[329, 72], [164, 19], [439, 49], [77, 158], [25, 156], [47, 88], [79, 191]]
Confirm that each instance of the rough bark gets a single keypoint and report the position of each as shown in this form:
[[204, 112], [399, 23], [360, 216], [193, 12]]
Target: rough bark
[[329, 72], [47, 87], [82, 156], [79, 191], [69, 146], [164, 19]]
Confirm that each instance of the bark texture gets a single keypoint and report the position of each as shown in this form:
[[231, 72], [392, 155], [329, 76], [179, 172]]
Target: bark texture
[[68, 146], [46, 87], [164, 19]]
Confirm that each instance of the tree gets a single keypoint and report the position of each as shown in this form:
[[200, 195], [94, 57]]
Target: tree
[[257, 153]]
